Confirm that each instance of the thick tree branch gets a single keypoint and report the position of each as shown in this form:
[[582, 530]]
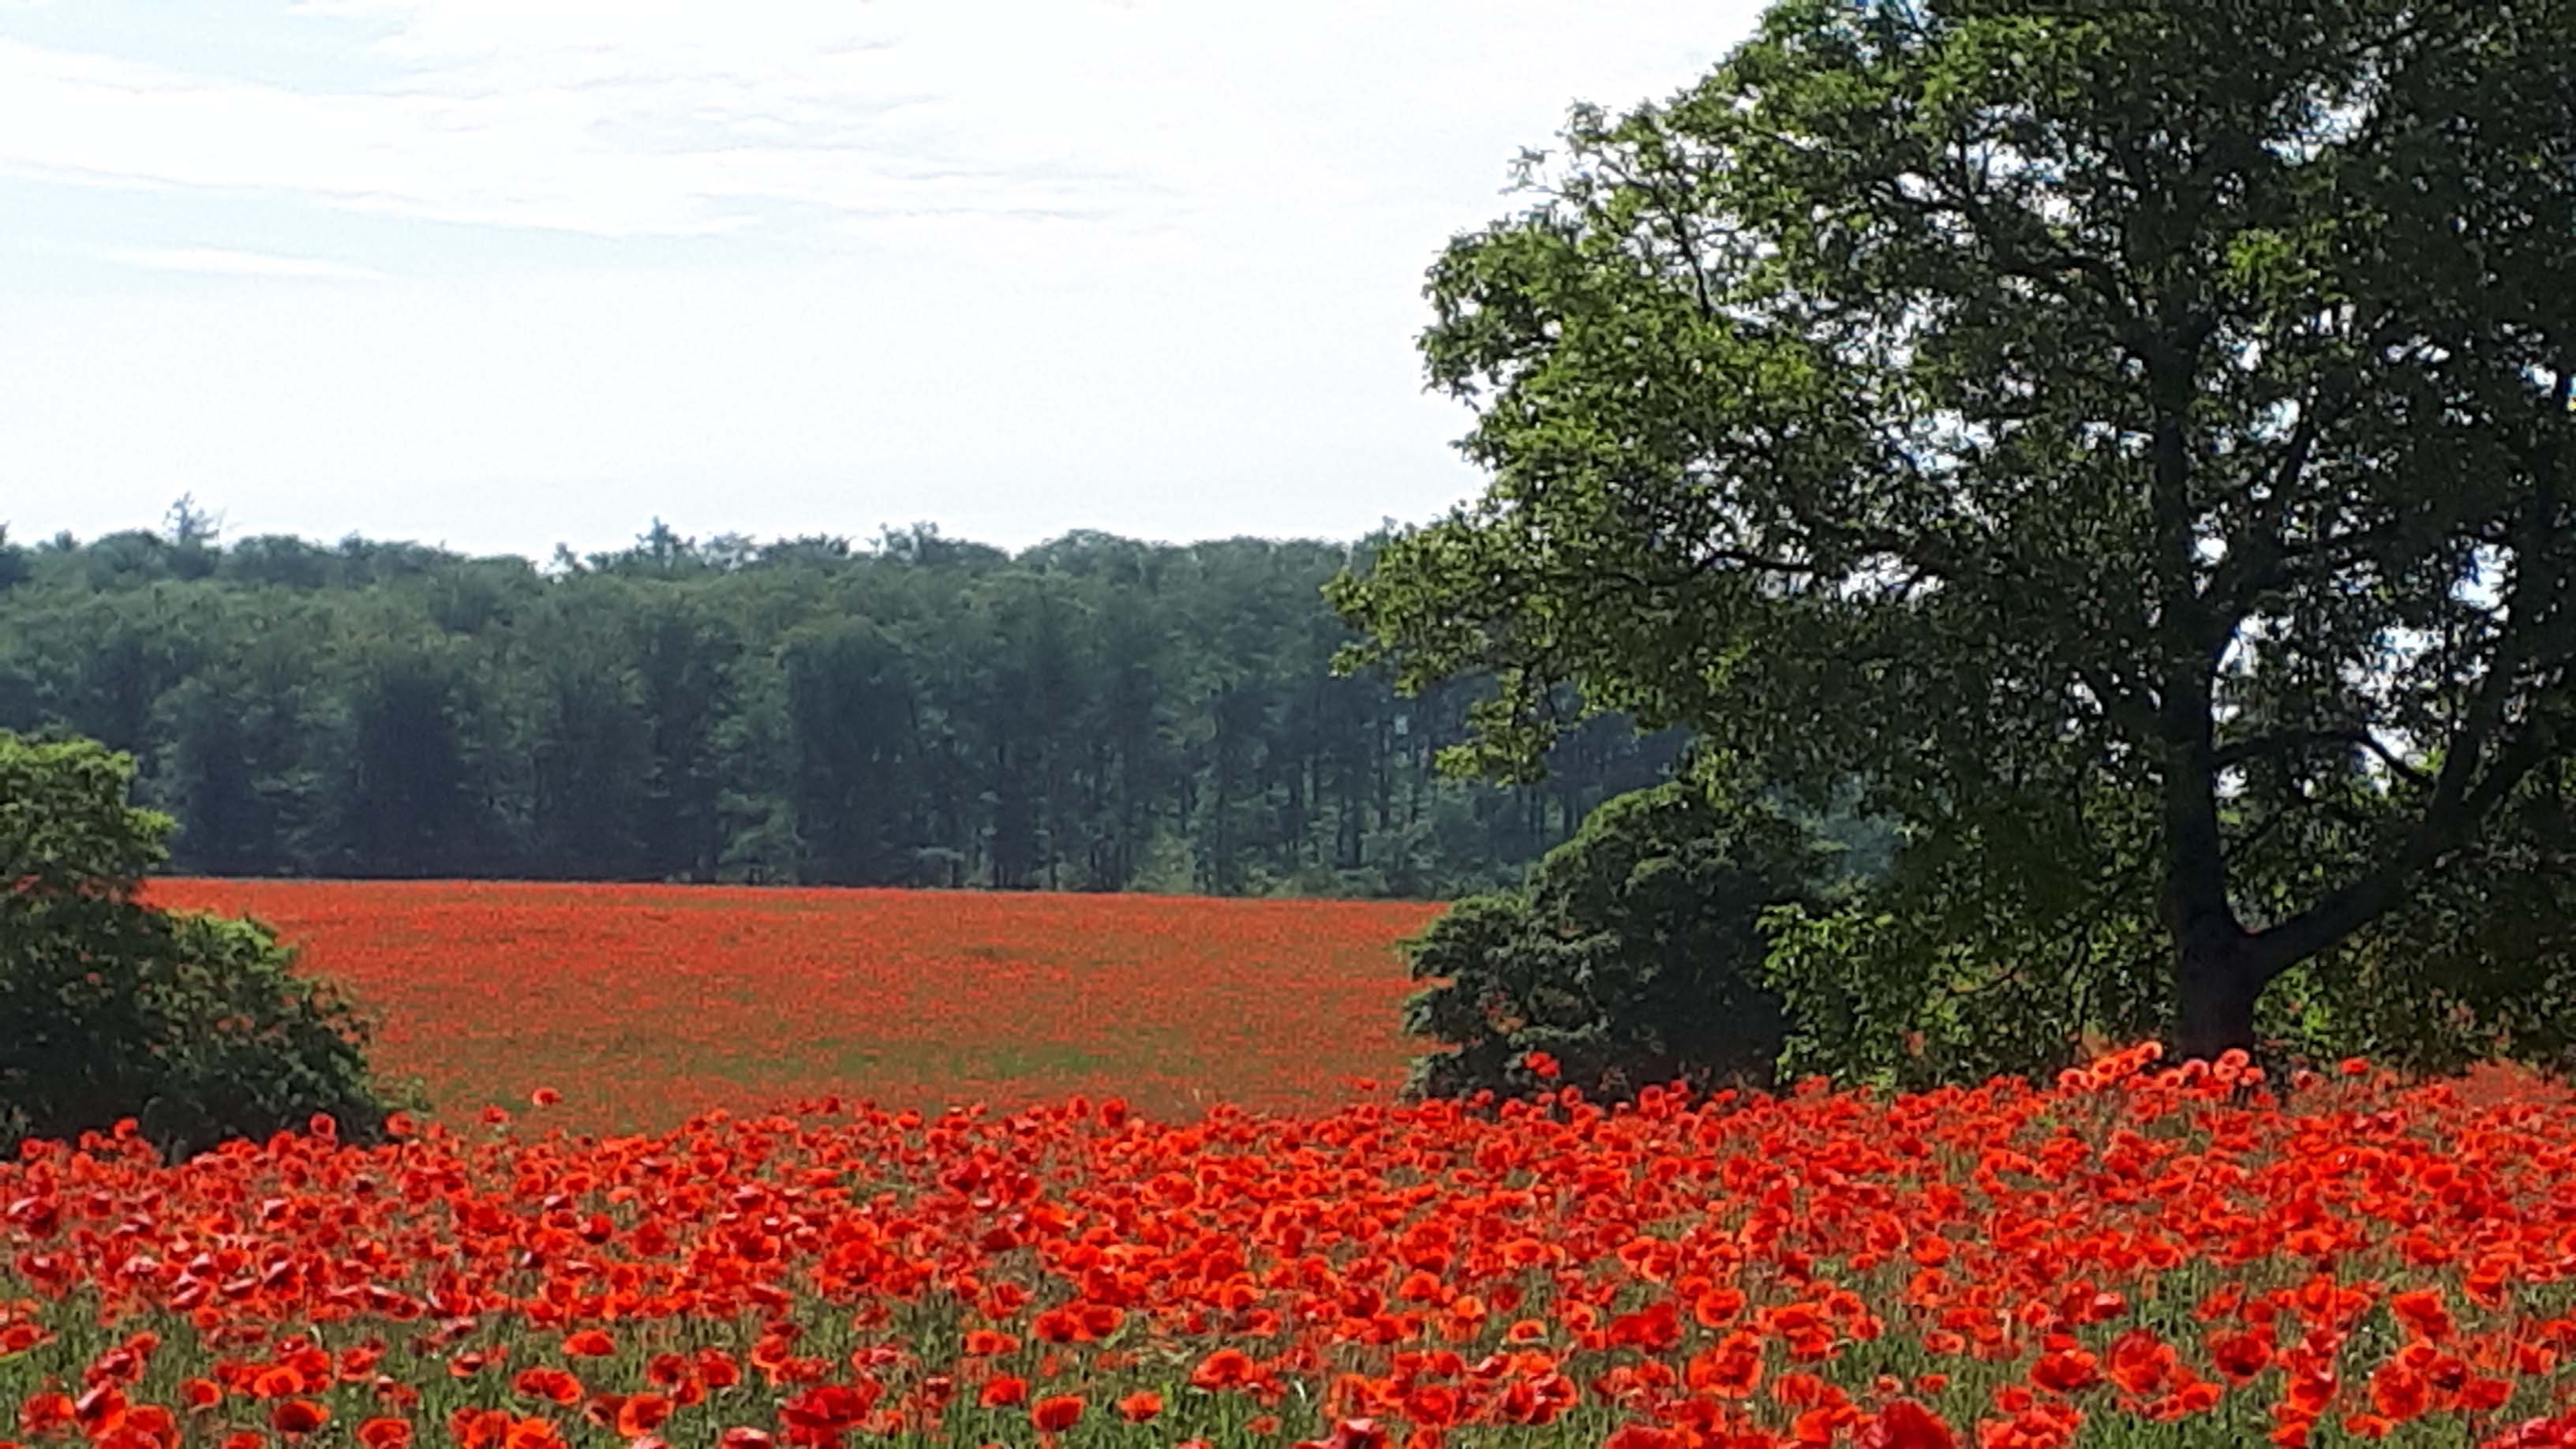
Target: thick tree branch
[[2446, 827], [2287, 741], [2052, 263], [2124, 707], [2253, 562], [2470, 785]]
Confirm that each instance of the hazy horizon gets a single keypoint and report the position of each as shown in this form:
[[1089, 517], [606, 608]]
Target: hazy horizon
[[503, 274], [859, 540]]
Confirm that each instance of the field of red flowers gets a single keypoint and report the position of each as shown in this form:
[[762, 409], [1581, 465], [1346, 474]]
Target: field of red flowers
[[651, 1003], [2135, 1255]]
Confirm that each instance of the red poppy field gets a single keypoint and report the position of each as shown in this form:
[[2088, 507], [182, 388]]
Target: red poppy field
[[2137, 1254], [2133, 1256], [646, 1004]]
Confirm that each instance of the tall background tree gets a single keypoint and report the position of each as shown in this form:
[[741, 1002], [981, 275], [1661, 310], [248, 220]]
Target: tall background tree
[[2133, 441]]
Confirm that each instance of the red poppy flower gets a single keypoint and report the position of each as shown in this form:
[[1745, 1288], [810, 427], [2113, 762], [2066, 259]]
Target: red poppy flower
[[99, 1410], [1224, 1369], [533, 1434], [2423, 1314], [45, 1413], [1358, 1434], [2240, 1356], [1055, 1414], [1906, 1425], [551, 1384], [642, 1414], [2399, 1394], [2065, 1370]]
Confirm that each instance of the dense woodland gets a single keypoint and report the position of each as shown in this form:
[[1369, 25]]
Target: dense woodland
[[1091, 714]]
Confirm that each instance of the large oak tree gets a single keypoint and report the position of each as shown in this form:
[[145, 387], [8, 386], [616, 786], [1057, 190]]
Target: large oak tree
[[2002, 401]]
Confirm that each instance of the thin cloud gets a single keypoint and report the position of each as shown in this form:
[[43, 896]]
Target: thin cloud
[[1149, 265], [526, 119], [213, 261], [620, 118]]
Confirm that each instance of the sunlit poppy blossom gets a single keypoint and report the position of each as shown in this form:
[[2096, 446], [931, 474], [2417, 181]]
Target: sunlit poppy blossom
[[641, 1414], [1905, 1424], [533, 1433], [1056, 1413], [2150, 1253]]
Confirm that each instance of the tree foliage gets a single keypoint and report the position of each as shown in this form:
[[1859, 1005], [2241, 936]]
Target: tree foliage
[[194, 1026], [1093, 713], [2135, 441], [1632, 957]]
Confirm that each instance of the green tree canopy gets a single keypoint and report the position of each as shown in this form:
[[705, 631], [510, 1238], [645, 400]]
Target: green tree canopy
[[1093, 713], [1634, 956], [191, 1025], [2134, 440]]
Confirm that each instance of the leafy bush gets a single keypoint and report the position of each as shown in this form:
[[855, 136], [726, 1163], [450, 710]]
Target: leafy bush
[[1632, 957], [2481, 966], [2022, 951], [192, 1025]]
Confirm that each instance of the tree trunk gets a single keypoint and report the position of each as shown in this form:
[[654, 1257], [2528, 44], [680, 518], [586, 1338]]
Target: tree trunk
[[2217, 979], [2220, 969]]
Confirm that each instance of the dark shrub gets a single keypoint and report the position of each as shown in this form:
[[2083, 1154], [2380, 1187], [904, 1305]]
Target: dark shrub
[[1632, 957], [194, 1026]]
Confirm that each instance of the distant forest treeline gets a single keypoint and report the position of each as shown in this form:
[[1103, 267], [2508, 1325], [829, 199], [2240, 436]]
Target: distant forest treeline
[[1090, 714]]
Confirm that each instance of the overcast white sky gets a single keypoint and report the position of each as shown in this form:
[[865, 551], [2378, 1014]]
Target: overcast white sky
[[507, 273]]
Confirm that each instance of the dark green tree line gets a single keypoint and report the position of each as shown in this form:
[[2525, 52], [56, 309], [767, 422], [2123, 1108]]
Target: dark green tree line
[[1091, 714]]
